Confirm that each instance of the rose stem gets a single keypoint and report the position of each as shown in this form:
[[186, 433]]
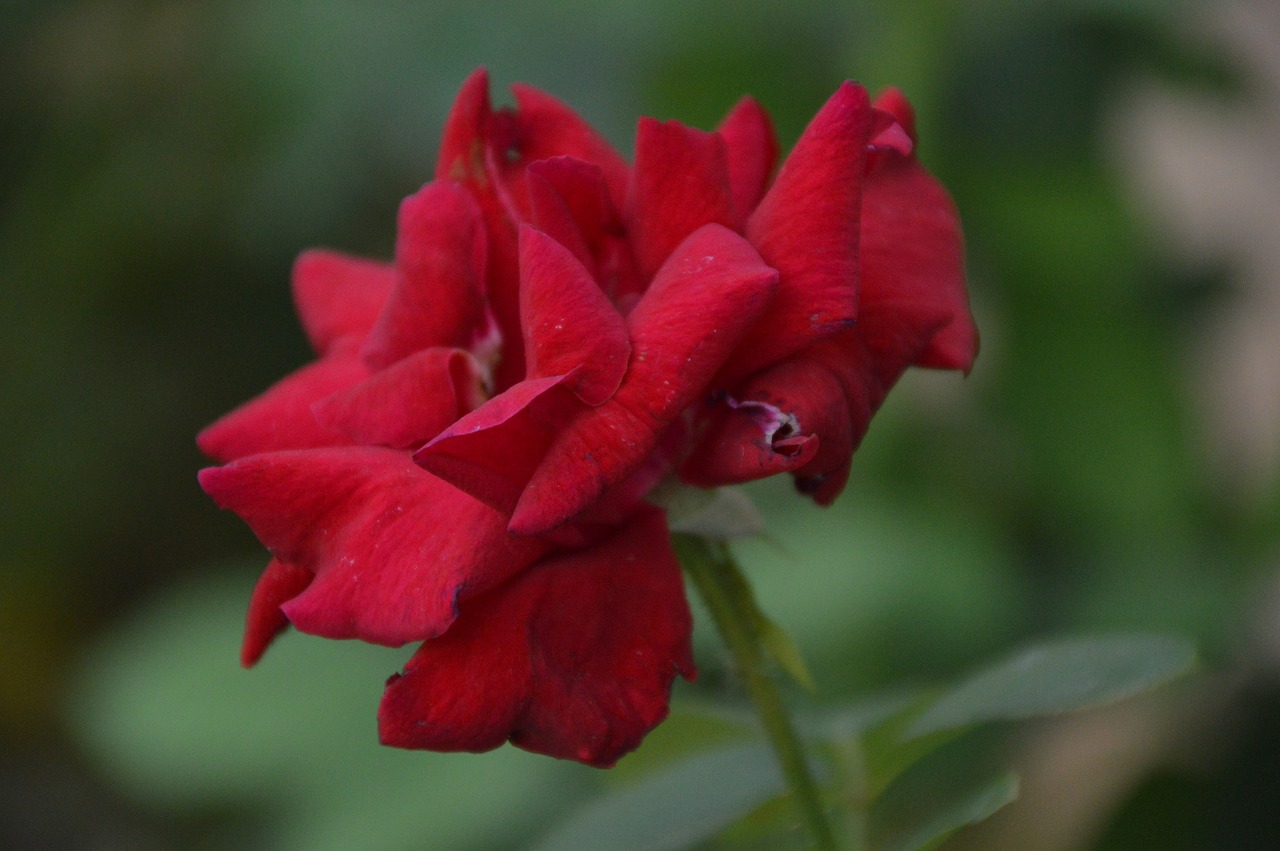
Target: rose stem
[[715, 577]]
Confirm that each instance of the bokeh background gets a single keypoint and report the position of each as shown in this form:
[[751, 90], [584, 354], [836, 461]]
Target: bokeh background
[[1111, 465]]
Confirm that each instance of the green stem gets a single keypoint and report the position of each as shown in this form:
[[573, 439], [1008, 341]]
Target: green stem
[[712, 570]]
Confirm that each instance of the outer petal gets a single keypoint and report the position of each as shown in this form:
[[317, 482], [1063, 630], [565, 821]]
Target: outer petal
[[549, 128], [803, 416], [806, 227], [573, 659], [786, 414], [279, 584], [753, 152], [438, 297], [570, 327], [392, 548], [409, 402], [712, 289], [913, 252], [568, 201], [492, 452], [338, 296], [680, 183], [281, 418], [892, 101], [461, 157]]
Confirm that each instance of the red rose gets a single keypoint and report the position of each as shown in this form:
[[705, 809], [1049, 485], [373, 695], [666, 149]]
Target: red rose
[[466, 462]]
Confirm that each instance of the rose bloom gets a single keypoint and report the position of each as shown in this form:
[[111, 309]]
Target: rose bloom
[[466, 462]]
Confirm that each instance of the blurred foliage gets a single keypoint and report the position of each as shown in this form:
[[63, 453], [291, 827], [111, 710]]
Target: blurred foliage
[[162, 163]]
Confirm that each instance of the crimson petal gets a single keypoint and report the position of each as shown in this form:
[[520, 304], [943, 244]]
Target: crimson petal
[[549, 128], [280, 417], [438, 297], [461, 158], [574, 659], [569, 202], [492, 452], [393, 548], [752, 149], [680, 183], [711, 290], [338, 296], [570, 327], [277, 585], [913, 252], [806, 227], [409, 402]]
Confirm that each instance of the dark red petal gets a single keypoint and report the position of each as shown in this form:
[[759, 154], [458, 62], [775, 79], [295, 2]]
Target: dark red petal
[[680, 183], [570, 328], [806, 227], [887, 136], [581, 187], [338, 296], [281, 418], [570, 203], [549, 128], [913, 253], [409, 402], [767, 432], [279, 583], [392, 547], [438, 297], [868, 360], [550, 213], [895, 103], [461, 157], [753, 151], [492, 452], [898, 335], [828, 392], [573, 659], [711, 290]]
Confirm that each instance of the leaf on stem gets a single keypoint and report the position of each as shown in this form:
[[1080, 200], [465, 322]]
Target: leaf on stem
[[1058, 677]]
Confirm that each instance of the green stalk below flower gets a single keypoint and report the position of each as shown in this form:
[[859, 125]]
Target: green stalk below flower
[[726, 596]]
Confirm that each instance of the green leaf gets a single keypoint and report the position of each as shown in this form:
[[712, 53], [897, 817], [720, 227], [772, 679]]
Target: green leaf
[[970, 809], [1057, 677], [687, 803], [781, 648]]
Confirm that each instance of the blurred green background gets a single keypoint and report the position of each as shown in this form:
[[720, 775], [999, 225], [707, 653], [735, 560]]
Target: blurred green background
[[1112, 464]]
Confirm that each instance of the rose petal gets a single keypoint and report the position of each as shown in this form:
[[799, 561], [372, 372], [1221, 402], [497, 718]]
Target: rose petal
[[805, 416], [894, 102], [574, 659], [492, 452], [550, 213], [897, 335], [280, 417], [278, 584], [338, 296], [766, 433], [570, 327], [680, 183], [581, 204], [461, 158], [806, 227], [548, 128], [711, 290], [913, 252], [393, 548], [408, 403], [438, 297], [752, 152]]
